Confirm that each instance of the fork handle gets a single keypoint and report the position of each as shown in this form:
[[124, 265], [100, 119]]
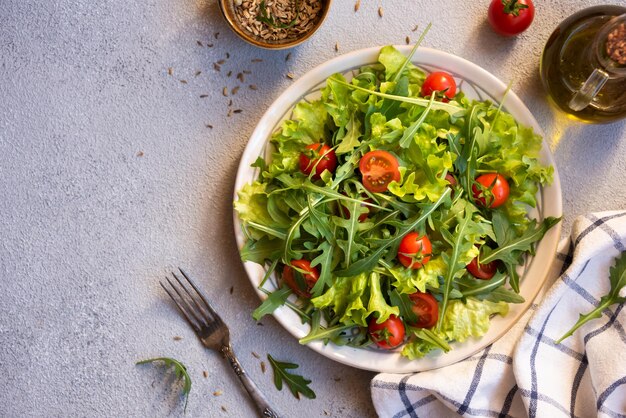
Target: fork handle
[[259, 399]]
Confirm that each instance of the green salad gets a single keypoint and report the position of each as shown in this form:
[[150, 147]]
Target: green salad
[[395, 209]]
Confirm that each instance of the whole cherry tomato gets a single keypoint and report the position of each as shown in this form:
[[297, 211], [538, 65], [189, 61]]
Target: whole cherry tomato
[[388, 334], [301, 287], [493, 190], [439, 81], [318, 156], [414, 250], [511, 17]]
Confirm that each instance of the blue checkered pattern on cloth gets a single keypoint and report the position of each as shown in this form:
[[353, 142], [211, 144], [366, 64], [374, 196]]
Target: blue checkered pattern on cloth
[[525, 374]]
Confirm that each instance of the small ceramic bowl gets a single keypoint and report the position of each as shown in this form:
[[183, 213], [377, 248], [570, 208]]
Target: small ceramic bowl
[[228, 11]]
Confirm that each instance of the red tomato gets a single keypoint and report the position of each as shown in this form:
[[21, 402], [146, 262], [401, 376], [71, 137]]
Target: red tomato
[[439, 81], [482, 271], [426, 309], [320, 154], [310, 278], [510, 17], [414, 251], [388, 334], [378, 169], [495, 190]]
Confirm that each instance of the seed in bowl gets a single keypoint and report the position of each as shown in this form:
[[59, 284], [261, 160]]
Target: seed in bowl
[[277, 20]]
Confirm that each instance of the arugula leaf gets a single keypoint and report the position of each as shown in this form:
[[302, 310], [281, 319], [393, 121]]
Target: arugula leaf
[[460, 244], [324, 261], [296, 384], [510, 248], [179, 370], [404, 304], [617, 278], [273, 301]]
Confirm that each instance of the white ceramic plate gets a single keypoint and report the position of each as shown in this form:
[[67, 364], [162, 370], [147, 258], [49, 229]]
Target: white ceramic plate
[[475, 82]]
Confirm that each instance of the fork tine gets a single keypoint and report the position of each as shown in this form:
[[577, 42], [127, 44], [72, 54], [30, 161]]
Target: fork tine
[[206, 303], [190, 309], [201, 310], [193, 323]]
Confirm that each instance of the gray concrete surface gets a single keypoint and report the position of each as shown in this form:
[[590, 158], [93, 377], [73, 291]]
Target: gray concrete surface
[[110, 177]]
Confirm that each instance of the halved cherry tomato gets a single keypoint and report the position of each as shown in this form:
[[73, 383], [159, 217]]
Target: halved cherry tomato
[[378, 169], [320, 156], [310, 278], [414, 251], [494, 192], [510, 17], [388, 334], [439, 81], [482, 271], [426, 309]]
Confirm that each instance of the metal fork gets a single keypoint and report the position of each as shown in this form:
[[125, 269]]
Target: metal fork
[[213, 332]]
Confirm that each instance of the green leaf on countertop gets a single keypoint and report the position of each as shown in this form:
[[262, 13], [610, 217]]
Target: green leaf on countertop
[[275, 299], [617, 278], [179, 370], [296, 384]]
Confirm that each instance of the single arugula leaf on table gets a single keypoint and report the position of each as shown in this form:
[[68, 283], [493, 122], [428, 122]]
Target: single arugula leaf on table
[[296, 384], [617, 278], [179, 369]]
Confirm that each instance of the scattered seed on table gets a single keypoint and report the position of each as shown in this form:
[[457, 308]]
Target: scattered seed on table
[[263, 366], [256, 60], [217, 35], [336, 46], [140, 154], [220, 62], [216, 66], [237, 110], [210, 126], [217, 393], [230, 113], [259, 324], [380, 11], [290, 76], [230, 102], [234, 90], [255, 355], [414, 29], [247, 72], [204, 96], [225, 91], [198, 73], [357, 5], [199, 43], [240, 77], [170, 71], [407, 40], [232, 288], [209, 45], [253, 87], [205, 374], [288, 56], [326, 412], [227, 55], [177, 338], [336, 379], [229, 74], [183, 81], [224, 408]]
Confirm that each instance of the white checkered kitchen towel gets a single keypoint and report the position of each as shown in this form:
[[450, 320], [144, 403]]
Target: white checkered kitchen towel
[[525, 374]]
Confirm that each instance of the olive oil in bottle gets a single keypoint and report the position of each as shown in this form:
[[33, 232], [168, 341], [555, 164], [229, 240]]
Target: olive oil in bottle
[[583, 67]]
